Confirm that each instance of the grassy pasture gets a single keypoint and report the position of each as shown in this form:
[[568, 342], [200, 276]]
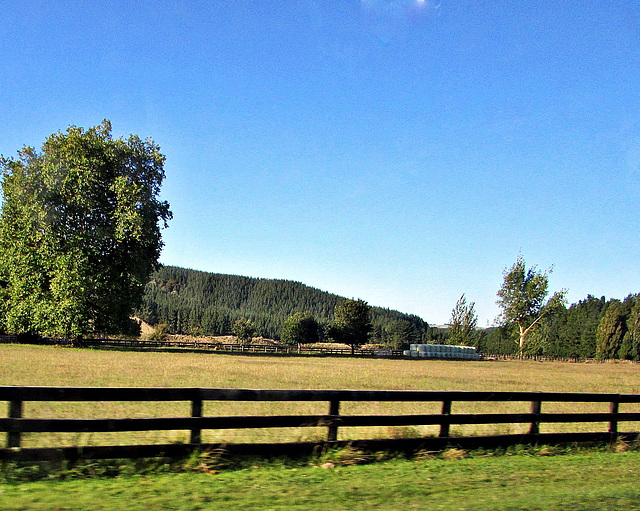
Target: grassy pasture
[[594, 481], [43, 365]]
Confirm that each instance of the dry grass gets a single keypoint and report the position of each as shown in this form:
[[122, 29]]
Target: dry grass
[[40, 365]]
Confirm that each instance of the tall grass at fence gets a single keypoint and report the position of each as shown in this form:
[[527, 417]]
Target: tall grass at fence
[[46, 365]]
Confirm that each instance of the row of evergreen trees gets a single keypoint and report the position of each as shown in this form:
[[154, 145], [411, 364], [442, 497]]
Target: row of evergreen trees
[[592, 328], [201, 303]]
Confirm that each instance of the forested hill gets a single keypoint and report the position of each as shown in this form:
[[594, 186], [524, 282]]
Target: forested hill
[[196, 302]]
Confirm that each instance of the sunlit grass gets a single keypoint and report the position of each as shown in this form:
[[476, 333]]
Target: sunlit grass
[[592, 480], [43, 365]]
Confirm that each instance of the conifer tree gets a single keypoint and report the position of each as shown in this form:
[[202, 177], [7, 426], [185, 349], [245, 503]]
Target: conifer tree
[[611, 331], [632, 336]]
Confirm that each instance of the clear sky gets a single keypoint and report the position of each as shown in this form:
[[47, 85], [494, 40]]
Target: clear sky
[[399, 151]]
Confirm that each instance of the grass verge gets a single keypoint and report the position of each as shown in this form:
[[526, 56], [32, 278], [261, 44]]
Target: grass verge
[[537, 478]]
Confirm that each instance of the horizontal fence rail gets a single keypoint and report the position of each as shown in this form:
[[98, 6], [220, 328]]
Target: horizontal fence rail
[[365, 351], [15, 425]]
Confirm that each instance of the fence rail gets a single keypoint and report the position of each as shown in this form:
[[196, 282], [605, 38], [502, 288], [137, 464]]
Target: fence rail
[[363, 351], [245, 348], [206, 345], [15, 425]]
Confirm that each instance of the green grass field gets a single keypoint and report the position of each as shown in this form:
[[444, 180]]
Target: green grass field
[[595, 481], [42, 365]]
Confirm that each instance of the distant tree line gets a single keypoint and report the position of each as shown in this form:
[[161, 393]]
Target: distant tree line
[[531, 323], [193, 302], [592, 328], [200, 303]]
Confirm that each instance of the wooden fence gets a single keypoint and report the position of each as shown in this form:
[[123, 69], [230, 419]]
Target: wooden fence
[[15, 425], [241, 348], [268, 348], [366, 351]]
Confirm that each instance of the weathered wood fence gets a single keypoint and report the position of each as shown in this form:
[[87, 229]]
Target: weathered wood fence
[[269, 348], [15, 425], [206, 345], [242, 348]]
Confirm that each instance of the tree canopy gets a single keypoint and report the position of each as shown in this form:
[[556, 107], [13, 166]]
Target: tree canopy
[[522, 298], [618, 333], [244, 330], [352, 323], [631, 341], [463, 322], [196, 302], [79, 232], [300, 328]]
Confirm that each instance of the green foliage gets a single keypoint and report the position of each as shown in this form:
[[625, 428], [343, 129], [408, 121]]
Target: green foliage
[[436, 336], [300, 328], [593, 327], [498, 340], [352, 323], [539, 338], [79, 232], [577, 333], [397, 333], [522, 298], [632, 336], [462, 325], [160, 333], [244, 330], [611, 331], [187, 300]]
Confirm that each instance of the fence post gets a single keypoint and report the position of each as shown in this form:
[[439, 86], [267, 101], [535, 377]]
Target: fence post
[[613, 424], [196, 411], [15, 412], [536, 407], [444, 426], [332, 430]]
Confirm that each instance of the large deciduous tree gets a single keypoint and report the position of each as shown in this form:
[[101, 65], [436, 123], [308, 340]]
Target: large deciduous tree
[[351, 324], [522, 298], [300, 328], [80, 232], [463, 323], [244, 330]]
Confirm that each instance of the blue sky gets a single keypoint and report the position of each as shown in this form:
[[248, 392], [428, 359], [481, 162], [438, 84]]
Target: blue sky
[[399, 151]]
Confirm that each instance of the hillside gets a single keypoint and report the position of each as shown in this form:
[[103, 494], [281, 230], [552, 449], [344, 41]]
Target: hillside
[[190, 302]]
